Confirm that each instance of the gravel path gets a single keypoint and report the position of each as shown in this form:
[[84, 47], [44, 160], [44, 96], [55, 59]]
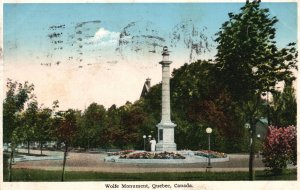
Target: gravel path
[[95, 162]]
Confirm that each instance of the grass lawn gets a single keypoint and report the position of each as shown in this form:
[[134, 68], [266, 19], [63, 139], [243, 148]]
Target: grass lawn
[[43, 175]]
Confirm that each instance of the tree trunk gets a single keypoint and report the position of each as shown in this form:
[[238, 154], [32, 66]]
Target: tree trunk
[[10, 164], [28, 144], [41, 144], [64, 162], [253, 137], [252, 150]]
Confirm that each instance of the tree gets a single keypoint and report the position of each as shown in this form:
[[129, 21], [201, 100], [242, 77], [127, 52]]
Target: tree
[[16, 138], [92, 124], [132, 120], [249, 61], [29, 118], [16, 96], [66, 131], [111, 132], [284, 107], [199, 101], [43, 126]]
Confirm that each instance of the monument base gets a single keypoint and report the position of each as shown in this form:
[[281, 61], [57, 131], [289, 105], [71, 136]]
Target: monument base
[[169, 147]]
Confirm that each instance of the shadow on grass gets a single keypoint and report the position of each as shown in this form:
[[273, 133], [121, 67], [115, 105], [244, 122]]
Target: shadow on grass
[[290, 174], [43, 175]]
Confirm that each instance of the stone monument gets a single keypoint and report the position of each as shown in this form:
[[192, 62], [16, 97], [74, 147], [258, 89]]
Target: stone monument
[[165, 127]]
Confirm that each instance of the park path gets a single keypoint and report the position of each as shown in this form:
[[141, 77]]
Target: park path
[[95, 162]]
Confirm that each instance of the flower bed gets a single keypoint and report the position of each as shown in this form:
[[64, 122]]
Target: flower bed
[[212, 154], [123, 152], [150, 155]]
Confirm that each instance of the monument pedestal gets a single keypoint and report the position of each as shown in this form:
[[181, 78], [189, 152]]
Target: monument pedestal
[[166, 137], [169, 147]]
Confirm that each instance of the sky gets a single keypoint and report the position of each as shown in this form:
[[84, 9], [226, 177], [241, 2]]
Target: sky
[[84, 53]]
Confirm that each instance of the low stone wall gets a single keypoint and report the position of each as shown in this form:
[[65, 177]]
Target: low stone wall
[[216, 159], [37, 158], [187, 160]]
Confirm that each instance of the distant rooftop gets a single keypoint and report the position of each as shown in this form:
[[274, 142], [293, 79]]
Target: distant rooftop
[[146, 87]]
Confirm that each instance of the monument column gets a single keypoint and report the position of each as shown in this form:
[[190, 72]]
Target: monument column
[[166, 127]]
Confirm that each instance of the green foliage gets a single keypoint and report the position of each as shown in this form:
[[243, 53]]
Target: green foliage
[[43, 128], [196, 81], [16, 96], [198, 102], [67, 127], [91, 123], [248, 59], [124, 127], [29, 122], [284, 107]]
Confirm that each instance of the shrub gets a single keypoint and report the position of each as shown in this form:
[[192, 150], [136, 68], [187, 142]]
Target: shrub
[[280, 148]]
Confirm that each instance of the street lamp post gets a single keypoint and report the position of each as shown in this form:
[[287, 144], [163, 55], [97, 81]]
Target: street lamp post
[[144, 137], [258, 152], [252, 132], [149, 138], [247, 126], [209, 131]]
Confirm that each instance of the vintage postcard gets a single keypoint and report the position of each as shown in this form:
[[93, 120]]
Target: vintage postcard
[[149, 95]]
